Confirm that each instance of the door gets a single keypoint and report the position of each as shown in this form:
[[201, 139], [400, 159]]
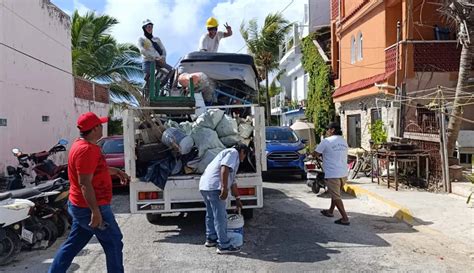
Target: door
[[353, 131]]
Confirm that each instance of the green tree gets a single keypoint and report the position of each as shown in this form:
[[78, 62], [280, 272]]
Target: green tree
[[263, 44], [97, 56], [320, 109]]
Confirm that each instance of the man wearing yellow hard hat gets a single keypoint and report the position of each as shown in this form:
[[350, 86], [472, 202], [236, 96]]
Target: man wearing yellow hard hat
[[210, 41]]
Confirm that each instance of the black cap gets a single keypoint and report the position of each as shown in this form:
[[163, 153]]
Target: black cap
[[334, 125]]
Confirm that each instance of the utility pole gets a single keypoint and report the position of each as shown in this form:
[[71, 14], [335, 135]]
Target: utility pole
[[443, 144]]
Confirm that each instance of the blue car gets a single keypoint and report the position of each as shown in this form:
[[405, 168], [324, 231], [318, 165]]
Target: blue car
[[285, 151]]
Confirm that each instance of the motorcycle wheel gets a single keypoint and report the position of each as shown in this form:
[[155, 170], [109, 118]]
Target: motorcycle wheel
[[315, 188], [10, 246], [50, 233], [62, 224]]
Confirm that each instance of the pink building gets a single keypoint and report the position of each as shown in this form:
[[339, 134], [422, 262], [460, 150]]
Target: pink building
[[38, 102]]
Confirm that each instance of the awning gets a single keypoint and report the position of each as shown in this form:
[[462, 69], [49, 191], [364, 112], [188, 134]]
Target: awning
[[361, 84]]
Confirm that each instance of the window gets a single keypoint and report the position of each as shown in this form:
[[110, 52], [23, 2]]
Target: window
[[359, 46], [375, 114], [45, 118], [465, 158], [3, 122], [353, 50]]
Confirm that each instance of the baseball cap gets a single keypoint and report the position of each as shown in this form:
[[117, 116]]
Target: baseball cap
[[333, 125], [89, 120]]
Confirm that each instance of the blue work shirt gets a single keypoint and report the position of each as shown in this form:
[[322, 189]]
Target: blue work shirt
[[211, 178]]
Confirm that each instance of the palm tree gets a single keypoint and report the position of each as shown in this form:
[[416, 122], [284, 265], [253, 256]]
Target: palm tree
[[97, 56], [264, 45], [462, 12]]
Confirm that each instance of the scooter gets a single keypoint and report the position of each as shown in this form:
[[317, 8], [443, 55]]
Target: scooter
[[44, 168], [314, 174], [13, 213], [39, 230]]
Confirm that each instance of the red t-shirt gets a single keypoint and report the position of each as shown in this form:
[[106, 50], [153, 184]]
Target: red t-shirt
[[87, 158]]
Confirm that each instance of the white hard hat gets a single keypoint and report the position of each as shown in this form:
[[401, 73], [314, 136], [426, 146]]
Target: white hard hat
[[147, 22]]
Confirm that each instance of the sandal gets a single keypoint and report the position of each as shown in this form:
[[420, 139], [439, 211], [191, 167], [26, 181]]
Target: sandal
[[326, 213], [340, 222]]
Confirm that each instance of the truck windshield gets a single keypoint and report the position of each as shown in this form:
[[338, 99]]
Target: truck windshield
[[281, 136]]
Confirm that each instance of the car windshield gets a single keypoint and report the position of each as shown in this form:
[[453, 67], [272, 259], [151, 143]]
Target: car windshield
[[112, 146], [279, 135]]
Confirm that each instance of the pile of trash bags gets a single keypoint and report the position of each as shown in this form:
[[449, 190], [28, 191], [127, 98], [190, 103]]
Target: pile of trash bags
[[197, 143]]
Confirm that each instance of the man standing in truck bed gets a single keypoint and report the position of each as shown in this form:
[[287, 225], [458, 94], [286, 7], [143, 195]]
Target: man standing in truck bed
[[210, 41]]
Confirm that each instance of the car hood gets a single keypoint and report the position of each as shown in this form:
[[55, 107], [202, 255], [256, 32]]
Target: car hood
[[115, 160], [284, 147]]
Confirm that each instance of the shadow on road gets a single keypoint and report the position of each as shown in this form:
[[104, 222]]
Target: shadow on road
[[288, 230]]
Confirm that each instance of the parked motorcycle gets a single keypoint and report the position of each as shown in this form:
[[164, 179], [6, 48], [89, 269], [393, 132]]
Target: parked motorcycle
[[13, 213], [39, 230], [44, 168], [314, 174]]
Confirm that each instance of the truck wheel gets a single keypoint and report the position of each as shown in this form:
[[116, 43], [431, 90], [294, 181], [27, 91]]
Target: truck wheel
[[315, 188], [247, 213], [153, 218]]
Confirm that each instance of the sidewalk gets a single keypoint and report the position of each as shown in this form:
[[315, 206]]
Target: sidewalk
[[438, 213]]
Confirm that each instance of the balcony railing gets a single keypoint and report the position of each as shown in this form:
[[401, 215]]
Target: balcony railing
[[426, 122], [436, 56], [428, 56], [391, 59]]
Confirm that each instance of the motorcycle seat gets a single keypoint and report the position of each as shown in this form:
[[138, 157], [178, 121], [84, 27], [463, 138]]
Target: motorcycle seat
[[25, 193], [50, 185], [5, 195]]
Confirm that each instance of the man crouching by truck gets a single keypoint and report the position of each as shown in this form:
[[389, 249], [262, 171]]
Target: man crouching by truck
[[214, 185]]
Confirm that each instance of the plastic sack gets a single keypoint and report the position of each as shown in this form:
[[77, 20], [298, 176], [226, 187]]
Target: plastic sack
[[177, 139], [227, 126], [236, 239], [210, 118], [206, 139], [207, 158], [186, 127], [230, 141], [245, 130], [171, 124]]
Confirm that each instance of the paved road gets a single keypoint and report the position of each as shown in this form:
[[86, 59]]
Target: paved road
[[287, 235]]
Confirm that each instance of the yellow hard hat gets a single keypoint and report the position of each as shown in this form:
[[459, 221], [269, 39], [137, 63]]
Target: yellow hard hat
[[211, 22]]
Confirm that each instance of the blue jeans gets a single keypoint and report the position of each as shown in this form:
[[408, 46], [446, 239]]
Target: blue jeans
[[216, 218], [110, 239]]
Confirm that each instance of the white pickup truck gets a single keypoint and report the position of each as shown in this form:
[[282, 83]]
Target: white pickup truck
[[181, 193]]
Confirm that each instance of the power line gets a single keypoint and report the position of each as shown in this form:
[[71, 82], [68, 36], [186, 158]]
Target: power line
[[34, 58]]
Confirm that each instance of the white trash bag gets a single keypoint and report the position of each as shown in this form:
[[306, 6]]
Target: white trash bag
[[205, 139], [227, 126]]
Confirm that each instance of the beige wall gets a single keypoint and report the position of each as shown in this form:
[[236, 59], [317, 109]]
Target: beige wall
[[373, 62]]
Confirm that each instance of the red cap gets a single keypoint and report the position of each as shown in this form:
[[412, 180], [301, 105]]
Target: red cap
[[89, 120]]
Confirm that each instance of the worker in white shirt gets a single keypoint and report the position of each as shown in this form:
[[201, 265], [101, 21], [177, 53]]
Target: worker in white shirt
[[210, 41]]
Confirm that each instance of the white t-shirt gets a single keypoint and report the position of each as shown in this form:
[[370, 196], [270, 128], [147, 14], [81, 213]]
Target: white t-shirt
[[211, 178], [209, 44], [334, 151]]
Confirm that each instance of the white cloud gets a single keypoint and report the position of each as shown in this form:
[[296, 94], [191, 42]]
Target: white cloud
[[81, 8], [180, 23], [235, 12]]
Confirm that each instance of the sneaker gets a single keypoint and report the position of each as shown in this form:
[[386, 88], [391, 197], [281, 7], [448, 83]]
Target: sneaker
[[227, 250], [210, 243]]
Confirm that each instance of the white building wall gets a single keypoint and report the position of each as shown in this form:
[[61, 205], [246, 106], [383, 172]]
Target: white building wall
[[29, 88]]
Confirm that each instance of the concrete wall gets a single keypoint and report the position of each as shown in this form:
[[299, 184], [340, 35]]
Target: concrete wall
[[36, 80], [319, 13], [353, 107], [29, 88]]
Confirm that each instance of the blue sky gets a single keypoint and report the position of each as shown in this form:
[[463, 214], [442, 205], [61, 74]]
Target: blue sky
[[180, 23]]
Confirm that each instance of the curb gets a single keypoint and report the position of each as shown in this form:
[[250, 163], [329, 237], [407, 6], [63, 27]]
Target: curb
[[400, 212]]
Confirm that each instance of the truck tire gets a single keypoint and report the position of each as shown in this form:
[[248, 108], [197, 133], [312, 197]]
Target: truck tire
[[153, 218], [247, 213]]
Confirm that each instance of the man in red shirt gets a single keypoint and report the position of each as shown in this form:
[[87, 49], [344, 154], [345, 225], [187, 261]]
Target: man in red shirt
[[90, 195]]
